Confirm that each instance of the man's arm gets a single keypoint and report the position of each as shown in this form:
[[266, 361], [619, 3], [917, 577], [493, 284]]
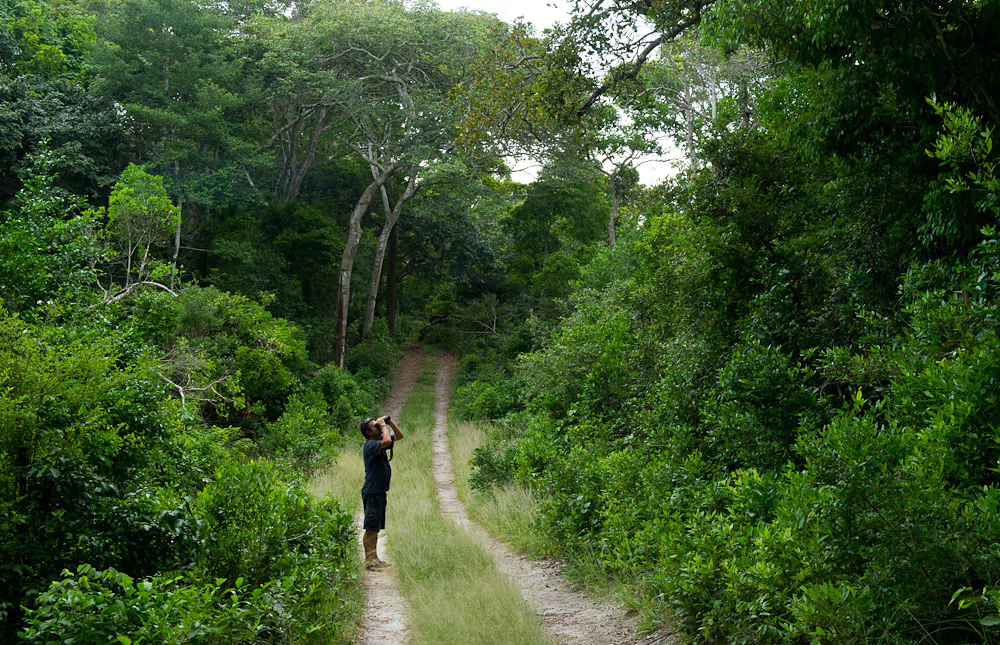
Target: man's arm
[[395, 428], [386, 438]]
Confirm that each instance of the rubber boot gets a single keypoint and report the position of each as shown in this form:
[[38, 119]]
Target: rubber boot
[[370, 542]]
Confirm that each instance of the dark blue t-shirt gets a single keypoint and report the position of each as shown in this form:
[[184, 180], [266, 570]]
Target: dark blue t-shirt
[[377, 469]]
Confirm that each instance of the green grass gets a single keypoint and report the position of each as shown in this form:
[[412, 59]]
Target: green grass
[[342, 481], [508, 513], [454, 592], [511, 515]]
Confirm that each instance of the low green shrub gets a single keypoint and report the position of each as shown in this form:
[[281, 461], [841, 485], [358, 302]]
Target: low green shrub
[[262, 528], [303, 435], [91, 607], [376, 357], [486, 400], [493, 464], [345, 397]]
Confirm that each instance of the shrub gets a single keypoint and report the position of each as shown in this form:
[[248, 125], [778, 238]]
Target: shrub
[[259, 526], [241, 357], [751, 418], [494, 463], [486, 400], [268, 531], [376, 357], [303, 435], [344, 396], [80, 429], [92, 606]]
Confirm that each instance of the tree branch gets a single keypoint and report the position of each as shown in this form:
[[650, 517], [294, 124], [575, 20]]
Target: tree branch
[[632, 70]]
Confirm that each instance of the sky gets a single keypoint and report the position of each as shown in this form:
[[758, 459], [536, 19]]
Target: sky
[[543, 14], [540, 13]]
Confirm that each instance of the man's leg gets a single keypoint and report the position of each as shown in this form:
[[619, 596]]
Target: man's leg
[[374, 522], [382, 503]]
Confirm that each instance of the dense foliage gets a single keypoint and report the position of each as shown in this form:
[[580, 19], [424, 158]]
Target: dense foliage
[[139, 499], [156, 429], [773, 404], [762, 393]]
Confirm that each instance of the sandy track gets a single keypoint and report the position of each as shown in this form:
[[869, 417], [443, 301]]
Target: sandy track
[[384, 620], [570, 616]]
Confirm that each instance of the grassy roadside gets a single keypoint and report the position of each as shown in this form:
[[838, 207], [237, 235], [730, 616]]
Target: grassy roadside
[[507, 513], [341, 481], [511, 513], [451, 584]]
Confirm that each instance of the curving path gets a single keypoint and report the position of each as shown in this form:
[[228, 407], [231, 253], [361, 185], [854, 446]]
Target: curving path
[[570, 616]]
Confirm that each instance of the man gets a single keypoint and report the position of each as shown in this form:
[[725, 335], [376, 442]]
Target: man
[[380, 434]]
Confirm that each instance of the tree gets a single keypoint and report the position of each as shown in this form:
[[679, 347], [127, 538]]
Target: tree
[[48, 245], [621, 37], [616, 140], [141, 217], [176, 71], [45, 39], [382, 90], [554, 230], [697, 91], [392, 213]]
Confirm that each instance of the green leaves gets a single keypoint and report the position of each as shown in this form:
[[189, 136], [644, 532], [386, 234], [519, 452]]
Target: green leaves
[[140, 214], [47, 247]]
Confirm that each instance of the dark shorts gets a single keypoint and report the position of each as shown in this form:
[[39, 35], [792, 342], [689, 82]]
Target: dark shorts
[[374, 511]]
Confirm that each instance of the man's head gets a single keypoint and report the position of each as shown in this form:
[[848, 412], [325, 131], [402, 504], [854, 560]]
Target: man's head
[[371, 428]]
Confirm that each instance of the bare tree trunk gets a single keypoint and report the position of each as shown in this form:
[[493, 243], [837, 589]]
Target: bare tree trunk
[[298, 174], [391, 217], [390, 280], [689, 113], [347, 260]]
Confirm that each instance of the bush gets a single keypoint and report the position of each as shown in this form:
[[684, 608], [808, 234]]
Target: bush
[[751, 418], [267, 531], [91, 607], [81, 429], [487, 400], [344, 396], [303, 435], [375, 358], [246, 361], [260, 527]]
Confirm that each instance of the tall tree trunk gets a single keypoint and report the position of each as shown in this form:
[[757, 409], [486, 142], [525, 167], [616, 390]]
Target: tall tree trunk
[[296, 175], [347, 260], [391, 217], [689, 114], [390, 280]]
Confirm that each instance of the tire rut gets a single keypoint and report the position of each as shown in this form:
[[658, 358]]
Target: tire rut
[[384, 620], [570, 616]]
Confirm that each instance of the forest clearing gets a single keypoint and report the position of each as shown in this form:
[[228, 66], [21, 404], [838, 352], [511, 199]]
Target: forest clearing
[[246, 244]]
